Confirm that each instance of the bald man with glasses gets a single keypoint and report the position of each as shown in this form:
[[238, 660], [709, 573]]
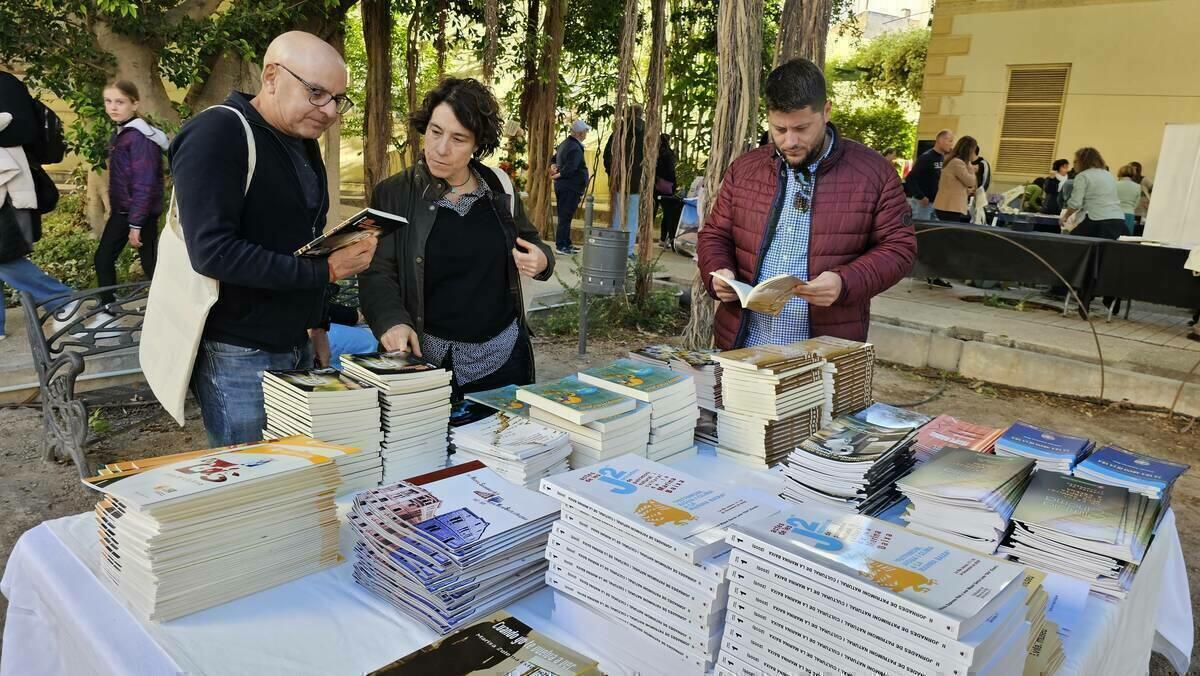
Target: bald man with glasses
[[241, 226]]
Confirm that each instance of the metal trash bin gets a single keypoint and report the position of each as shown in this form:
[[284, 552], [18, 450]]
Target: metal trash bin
[[604, 261]]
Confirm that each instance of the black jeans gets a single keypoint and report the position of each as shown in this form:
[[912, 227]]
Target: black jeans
[[672, 208], [1111, 228], [567, 202], [113, 241], [952, 216]]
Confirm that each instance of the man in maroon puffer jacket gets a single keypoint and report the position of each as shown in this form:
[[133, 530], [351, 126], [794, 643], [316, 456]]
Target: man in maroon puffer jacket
[[811, 204]]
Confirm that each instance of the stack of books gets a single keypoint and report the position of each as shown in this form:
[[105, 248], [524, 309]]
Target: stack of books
[[853, 371], [449, 547], [323, 404], [182, 533], [826, 592], [671, 397], [1053, 451], [518, 449], [414, 400], [965, 497], [644, 545], [850, 465], [700, 366], [1116, 466], [655, 355], [600, 423], [769, 396], [493, 645], [1090, 531], [946, 430], [1044, 651]]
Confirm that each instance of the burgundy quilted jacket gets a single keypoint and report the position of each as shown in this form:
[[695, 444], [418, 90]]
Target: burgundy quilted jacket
[[861, 229]]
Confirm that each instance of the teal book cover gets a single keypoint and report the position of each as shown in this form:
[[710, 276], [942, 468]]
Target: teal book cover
[[575, 394], [501, 399], [636, 375]]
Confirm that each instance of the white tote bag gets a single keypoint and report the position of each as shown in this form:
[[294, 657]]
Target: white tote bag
[[178, 305]]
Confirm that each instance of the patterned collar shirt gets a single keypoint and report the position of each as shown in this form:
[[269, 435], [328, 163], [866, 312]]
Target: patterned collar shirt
[[788, 255]]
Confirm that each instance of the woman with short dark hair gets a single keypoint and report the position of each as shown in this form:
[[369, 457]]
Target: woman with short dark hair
[[447, 285]]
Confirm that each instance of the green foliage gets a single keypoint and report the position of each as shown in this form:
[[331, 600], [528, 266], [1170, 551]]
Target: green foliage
[[879, 126], [614, 316], [97, 423], [891, 67]]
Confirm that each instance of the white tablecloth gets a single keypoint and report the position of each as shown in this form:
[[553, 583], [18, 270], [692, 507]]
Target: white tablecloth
[[63, 618]]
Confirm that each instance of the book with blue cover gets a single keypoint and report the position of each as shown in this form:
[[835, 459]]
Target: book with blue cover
[[502, 399], [575, 400], [1116, 466], [638, 380], [1051, 450]]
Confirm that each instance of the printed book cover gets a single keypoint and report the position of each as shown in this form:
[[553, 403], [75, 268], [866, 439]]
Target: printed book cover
[[317, 380], [575, 394], [390, 363], [885, 415], [502, 399], [1041, 442], [850, 440], [1077, 507], [366, 223], [963, 474], [633, 375], [890, 559], [1127, 467], [496, 645]]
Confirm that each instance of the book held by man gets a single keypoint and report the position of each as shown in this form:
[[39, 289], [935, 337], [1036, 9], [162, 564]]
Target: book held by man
[[768, 296], [364, 224]]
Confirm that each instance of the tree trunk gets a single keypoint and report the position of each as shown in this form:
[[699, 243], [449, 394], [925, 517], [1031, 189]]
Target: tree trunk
[[654, 97], [333, 150], [530, 55], [440, 42], [95, 208], [803, 30], [623, 122], [377, 118], [137, 62], [735, 121], [543, 110], [412, 54], [491, 39]]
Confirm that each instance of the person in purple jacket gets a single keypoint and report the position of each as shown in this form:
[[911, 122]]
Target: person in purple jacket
[[135, 185]]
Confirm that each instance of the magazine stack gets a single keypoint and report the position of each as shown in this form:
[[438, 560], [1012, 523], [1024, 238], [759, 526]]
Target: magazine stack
[[700, 366], [496, 645], [195, 530], [655, 355], [518, 449], [851, 465], [670, 396], [451, 546], [644, 545], [1053, 451], [1090, 531], [414, 399], [853, 371], [771, 397], [1116, 466], [964, 497], [324, 404], [817, 590], [892, 417], [600, 423], [946, 430]]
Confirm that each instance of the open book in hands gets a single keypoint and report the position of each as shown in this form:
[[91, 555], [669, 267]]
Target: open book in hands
[[366, 223], [768, 296]]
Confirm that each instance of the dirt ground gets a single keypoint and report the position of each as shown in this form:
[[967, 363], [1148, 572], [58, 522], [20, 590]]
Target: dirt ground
[[32, 491]]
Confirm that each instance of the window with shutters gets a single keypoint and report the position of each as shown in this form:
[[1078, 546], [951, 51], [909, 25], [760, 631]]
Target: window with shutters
[[1032, 113]]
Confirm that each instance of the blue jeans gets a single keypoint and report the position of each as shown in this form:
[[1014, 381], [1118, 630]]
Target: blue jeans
[[23, 275], [922, 213], [227, 381], [631, 216], [349, 340]]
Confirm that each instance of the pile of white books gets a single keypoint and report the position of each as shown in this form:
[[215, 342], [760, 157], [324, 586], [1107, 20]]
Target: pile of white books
[[671, 397], [182, 533], [850, 464], [965, 497], [518, 449], [601, 423], [323, 404], [1090, 531], [821, 591], [1052, 450], [414, 400], [853, 371], [644, 545], [769, 395], [1116, 466], [459, 545]]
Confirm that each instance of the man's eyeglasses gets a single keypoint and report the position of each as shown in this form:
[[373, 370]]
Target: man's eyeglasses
[[319, 97]]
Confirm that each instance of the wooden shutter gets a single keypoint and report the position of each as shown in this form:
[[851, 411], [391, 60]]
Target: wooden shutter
[[1032, 113]]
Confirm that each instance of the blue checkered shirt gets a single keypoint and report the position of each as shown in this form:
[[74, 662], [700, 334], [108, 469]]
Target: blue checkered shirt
[[788, 255]]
